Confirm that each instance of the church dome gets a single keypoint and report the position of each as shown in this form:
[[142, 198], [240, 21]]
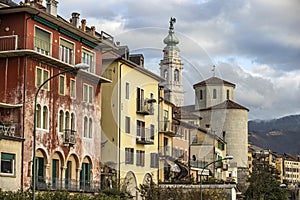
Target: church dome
[[171, 40]]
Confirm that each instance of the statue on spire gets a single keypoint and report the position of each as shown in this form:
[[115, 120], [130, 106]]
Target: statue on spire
[[172, 22]]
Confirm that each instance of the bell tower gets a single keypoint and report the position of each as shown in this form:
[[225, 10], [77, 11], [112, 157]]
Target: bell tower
[[171, 68]]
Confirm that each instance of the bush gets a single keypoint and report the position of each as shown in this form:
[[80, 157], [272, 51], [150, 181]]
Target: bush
[[108, 194]]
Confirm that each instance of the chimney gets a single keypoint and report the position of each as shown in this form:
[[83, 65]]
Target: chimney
[[83, 25], [52, 7], [93, 30], [27, 3], [75, 19], [39, 2]]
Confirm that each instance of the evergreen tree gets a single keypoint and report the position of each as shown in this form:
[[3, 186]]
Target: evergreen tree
[[265, 183]]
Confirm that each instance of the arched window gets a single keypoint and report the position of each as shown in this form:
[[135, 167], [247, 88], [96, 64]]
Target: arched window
[[38, 116], [61, 121], [67, 120], [166, 74], [85, 127], [176, 75], [201, 94], [73, 121], [214, 93], [45, 118], [227, 94], [90, 128]]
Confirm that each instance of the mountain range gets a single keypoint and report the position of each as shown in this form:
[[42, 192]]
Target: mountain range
[[279, 135]]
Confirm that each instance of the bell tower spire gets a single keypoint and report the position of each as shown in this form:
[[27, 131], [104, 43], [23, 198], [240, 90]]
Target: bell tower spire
[[171, 68]]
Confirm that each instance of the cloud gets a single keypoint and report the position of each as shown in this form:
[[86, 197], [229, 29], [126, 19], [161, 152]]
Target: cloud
[[254, 44]]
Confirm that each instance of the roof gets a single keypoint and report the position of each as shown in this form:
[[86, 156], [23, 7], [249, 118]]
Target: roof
[[183, 113], [133, 65], [213, 81], [228, 104]]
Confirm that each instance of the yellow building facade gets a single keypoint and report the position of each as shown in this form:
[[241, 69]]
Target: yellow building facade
[[130, 124]]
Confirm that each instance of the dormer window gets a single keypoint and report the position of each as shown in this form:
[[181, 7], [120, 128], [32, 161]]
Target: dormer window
[[214, 93]]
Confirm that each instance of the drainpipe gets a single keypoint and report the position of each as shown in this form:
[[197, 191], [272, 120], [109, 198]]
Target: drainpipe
[[119, 124]]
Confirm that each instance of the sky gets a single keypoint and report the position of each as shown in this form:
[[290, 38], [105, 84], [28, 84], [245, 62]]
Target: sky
[[253, 44]]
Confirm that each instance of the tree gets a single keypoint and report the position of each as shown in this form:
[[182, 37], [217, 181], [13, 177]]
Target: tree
[[265, 183]]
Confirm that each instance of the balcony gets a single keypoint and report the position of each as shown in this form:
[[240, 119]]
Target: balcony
[[165, 151], [145, 107], [143, 136], [69, 137], [166, 127], [72, 185], [9, 130]]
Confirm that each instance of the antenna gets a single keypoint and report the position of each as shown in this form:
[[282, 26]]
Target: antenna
[[214, 70]]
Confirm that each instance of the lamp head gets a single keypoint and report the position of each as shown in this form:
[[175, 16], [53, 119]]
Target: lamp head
[[81, 66], [227, 157]]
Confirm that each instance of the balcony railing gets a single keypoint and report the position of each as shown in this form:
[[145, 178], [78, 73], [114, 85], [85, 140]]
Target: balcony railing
[[166, 127], [43, 183], [143, 136], [145, 107], [9, 130], [14, 45], [165, 151], [69, 137]]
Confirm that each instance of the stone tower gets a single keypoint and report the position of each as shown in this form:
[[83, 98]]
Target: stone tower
[[214, 100], [171, 68]]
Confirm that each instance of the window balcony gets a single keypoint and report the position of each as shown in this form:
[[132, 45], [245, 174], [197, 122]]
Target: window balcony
[[144, 136], [166, 127], [165, 151], [145, 107], [69, 137]]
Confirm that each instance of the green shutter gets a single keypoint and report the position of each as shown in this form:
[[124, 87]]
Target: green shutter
[[7, 156]]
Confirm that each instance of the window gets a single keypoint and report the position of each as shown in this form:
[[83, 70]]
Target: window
[[87, 127], [72, 121], [214, 93], [61, 121], [129, 153], [166, 74], [62, 85], [90, 128], [42, 41], [73, 88], [140, 158], [40, 77], [152, 130], [227, 94], [45, 117], [127, 90], [7, 163], [176, 75], [140, 99], [140, 132], [221, 145], [42, 117], [88, 93], [201, 94], [66, 51], [67, 121], [127, 124], [88, 58], [154, 160], [38, 116]]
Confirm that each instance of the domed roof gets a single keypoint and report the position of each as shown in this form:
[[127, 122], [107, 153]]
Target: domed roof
[[171, 40]]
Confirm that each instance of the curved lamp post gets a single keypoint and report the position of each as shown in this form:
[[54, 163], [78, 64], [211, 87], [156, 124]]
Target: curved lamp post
[[72, 69], [226, 158]]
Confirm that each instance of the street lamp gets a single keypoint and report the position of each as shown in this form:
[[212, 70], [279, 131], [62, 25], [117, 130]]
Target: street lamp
[[71, 69], [226, 158]]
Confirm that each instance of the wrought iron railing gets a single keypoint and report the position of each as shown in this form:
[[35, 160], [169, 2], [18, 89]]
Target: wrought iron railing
[[67, 184]]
